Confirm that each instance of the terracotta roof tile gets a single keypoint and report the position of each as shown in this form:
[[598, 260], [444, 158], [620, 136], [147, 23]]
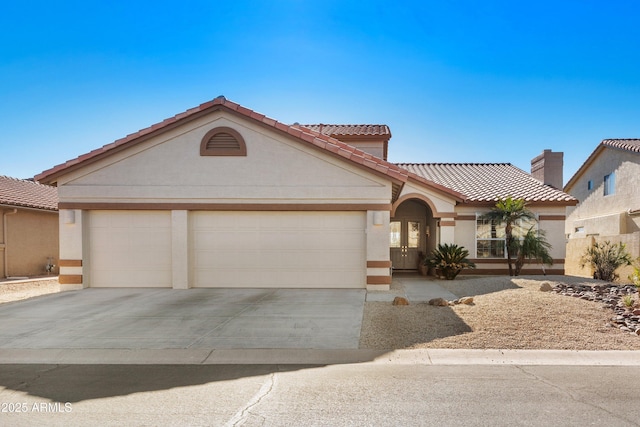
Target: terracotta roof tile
[[625, 144], [29, 194], [350, 130], [319, 139], [488, 182]]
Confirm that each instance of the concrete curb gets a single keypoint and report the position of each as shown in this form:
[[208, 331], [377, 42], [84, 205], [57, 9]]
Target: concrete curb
[[317, 357]]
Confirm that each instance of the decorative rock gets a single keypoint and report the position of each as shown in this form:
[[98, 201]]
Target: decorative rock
[[400, 301], [440, 302], [610, 296], [466, 300], [545, 287]]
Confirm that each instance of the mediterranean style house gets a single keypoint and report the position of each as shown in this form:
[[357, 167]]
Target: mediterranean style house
[[223, 196], [28, 228], [608, 188]]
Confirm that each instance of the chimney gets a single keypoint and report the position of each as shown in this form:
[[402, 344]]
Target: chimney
[[547, 167]]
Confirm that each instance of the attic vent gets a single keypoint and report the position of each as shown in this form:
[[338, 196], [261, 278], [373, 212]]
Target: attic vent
[[223, 141]]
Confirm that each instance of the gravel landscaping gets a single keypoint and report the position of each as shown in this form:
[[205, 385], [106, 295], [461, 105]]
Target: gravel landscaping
[[508, 313], [23, 289]]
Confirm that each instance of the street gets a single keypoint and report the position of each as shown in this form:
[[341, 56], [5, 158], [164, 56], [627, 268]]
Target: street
[[334, 395]]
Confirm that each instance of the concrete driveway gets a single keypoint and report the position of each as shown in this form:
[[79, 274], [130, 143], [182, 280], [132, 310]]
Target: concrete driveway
[[137, 318]]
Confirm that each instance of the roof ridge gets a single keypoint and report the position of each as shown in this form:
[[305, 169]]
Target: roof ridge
[[303, 133]]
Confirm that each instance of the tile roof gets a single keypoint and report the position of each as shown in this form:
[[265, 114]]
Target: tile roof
[[630, 144], [488, 182], [29, 194], [350, 130], [308, 136], [625, 144]]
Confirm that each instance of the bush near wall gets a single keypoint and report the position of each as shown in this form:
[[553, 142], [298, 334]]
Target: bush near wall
[[577, 247]]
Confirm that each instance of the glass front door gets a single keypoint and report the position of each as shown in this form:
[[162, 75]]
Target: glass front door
[[405, 243]]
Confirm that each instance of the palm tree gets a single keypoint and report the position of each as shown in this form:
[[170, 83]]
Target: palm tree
[[533, 245], [509, 212]]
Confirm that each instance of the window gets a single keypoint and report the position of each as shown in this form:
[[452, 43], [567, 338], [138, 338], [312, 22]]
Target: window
[[490, 237], [590, 185], [609, 184], [490, 242], [223, 141]]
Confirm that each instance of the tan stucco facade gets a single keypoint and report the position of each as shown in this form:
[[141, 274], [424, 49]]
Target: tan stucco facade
[[550, 220], [597, 214], [191, 195], [28, 242], [600, 218]]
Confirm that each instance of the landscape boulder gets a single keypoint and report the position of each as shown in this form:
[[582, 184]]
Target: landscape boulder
[[400, 301], [439, 302], [546, 287]]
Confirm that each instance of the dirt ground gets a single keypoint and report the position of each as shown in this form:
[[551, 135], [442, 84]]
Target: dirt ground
[[507, 314]]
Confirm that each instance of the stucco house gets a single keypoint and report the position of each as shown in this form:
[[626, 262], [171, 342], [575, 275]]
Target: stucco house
[[28, 228], [223, 196], [607, 186]]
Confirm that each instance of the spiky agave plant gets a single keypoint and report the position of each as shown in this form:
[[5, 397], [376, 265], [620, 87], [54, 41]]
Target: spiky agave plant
[[449, 260]]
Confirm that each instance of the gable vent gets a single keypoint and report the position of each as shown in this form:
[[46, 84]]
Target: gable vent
[[223, 141]]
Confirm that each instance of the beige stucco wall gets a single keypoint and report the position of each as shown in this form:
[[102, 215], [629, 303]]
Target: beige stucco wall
[[551, 222], [31, 237], [277, 169], [169, 169], [606, 215], [576, 248]]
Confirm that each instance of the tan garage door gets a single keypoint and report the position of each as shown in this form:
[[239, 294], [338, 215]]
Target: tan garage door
[[278, 249], [130, 249]]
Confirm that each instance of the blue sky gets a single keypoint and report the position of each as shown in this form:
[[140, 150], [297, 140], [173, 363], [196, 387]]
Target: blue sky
[[456, 81]]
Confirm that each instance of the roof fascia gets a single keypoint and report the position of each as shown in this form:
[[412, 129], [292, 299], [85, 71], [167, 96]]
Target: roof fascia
[[582, 169], [120, 145]]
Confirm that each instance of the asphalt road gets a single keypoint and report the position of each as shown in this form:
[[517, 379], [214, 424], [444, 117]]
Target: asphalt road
[[335, 395]]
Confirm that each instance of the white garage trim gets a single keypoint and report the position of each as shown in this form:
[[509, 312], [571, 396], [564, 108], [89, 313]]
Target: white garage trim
[[278, 249], [130, 249]]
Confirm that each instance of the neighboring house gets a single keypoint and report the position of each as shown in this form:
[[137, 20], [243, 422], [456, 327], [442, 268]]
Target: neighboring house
[[608, 188], [222, 196], [28, 228]]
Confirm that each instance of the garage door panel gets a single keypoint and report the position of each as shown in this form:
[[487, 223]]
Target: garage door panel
[[130, 249], [278, 249]]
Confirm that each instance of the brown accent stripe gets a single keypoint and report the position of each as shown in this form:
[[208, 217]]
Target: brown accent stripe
[[447, 223], [378, 280], [504, 261], [552, 217], [447, 215], [70, 279], [466, 218], [70, 263], [378, 264], [229, 206]]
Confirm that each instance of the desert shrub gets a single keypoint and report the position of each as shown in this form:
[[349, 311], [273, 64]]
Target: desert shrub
[[449, 260], [605, 258]]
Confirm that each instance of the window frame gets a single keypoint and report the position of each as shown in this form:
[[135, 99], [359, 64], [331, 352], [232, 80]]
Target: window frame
[[518, 228], [609, 184]]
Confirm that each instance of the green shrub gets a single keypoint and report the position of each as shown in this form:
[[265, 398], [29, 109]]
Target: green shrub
[[635, 276], [605, 258], [449, 260]]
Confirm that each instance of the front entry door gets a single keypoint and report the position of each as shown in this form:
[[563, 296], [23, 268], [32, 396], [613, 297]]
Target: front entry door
[[405, 243]]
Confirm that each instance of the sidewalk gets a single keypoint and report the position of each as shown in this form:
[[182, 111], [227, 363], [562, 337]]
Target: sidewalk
[[319, 357]]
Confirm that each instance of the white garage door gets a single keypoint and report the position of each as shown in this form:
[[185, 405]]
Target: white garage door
[[130, 249], [278, 249]]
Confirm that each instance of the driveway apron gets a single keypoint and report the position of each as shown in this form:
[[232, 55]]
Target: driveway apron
[[135, 318]]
